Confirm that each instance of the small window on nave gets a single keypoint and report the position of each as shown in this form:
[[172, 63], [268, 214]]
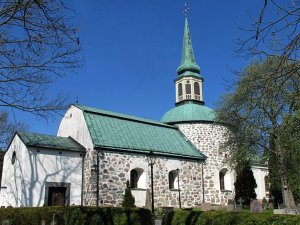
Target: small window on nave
[[133, 179], [173, 180], [222, 181]]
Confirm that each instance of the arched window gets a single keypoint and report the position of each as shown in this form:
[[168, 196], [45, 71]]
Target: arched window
[[188, 89], [133, 179], [171, 180], [137, 178], [196, 88], [222, 181], [179, 89], [267, 184]]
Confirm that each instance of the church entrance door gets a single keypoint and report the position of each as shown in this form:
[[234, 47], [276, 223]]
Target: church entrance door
[[57, 196]]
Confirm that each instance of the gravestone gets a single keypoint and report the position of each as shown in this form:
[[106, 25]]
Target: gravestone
[[148, 200], [205, 206], [255, 206]]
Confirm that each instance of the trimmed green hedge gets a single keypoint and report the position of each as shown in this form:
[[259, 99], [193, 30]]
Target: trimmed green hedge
[[76, 215], [227, 218]]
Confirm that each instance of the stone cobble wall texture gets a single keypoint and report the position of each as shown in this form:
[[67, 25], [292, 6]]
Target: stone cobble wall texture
[[115, 171], [208, 138]]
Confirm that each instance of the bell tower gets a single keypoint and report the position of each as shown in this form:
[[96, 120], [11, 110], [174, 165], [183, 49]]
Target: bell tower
[[189, 83]]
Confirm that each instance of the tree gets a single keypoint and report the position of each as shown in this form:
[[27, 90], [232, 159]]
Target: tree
[[257, 112], [37, 45], [274, 32], [7, 129], [128, 200], [245, 183]]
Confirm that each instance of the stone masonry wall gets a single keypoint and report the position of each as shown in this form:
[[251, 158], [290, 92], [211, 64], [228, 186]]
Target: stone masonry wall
[[208, 138], [115, 171]]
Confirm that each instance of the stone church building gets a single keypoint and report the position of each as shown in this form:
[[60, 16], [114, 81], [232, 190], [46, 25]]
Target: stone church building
[[95, 152]]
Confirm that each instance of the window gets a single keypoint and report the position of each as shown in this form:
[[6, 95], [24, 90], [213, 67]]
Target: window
[[138, 178], [222, 182], [171, 180], [133, 179], [188, 89], [267, 184], [196, 88], [13, 157], [179, 90]]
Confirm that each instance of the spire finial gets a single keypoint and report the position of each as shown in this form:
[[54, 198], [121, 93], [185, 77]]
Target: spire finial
[[186, 10]]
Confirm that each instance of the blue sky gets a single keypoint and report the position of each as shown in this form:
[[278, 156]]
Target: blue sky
[[132, 48]]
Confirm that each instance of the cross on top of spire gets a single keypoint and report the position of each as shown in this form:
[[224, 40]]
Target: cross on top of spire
[[186, 10]]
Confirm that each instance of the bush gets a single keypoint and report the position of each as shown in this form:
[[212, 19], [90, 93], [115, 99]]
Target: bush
[[128, 200], [76, 215], [227, 218]]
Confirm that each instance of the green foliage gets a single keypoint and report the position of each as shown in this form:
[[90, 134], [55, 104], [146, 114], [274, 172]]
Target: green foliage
[[261, 109], [227, 218], [275, 182], [245, 183], [76, 215], [128, 197]]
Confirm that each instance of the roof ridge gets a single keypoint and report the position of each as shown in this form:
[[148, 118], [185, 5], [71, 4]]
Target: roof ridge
[[122, 116]]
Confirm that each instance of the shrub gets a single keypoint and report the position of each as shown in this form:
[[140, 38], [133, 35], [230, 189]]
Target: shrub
[[227, 218], [128, 197], [76, 215]]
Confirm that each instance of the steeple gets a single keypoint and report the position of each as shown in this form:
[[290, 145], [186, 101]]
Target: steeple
[[188, 64], [189, 81]]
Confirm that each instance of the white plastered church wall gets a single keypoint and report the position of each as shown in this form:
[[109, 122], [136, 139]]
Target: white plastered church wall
[[25, 179], [73, 124], [259, 173]]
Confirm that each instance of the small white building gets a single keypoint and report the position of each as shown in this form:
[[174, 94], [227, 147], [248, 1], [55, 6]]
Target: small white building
[[42, 170]]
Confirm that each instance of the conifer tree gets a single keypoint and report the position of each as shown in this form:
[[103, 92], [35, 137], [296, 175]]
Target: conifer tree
[[128, 200], [245, 183]]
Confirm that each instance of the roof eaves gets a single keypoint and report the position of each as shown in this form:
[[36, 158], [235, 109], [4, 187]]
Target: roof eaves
[[143, 151], [54, 147]]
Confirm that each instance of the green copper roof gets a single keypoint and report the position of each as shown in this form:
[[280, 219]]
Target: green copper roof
[[189, 112], [48, 141], [116, 131], [188, 64]]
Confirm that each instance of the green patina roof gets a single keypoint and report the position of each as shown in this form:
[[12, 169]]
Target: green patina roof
[[127, 133], [189, 112], [188, 64], [48, 141]]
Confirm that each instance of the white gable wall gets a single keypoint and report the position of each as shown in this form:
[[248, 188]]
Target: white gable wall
[[10, 193], [25, 180], [73, 124]]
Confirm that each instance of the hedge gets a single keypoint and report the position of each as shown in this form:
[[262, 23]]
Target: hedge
[[227, 218], [75, 215]]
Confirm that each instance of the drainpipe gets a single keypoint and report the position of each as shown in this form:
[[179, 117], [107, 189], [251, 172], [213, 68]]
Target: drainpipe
[[203, 199], [82, 177], [98, 177]]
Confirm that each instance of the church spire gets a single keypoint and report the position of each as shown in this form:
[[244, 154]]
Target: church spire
[[189, 83], [188, 64]]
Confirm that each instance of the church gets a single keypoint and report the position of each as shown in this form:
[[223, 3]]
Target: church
[[176, 162]]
